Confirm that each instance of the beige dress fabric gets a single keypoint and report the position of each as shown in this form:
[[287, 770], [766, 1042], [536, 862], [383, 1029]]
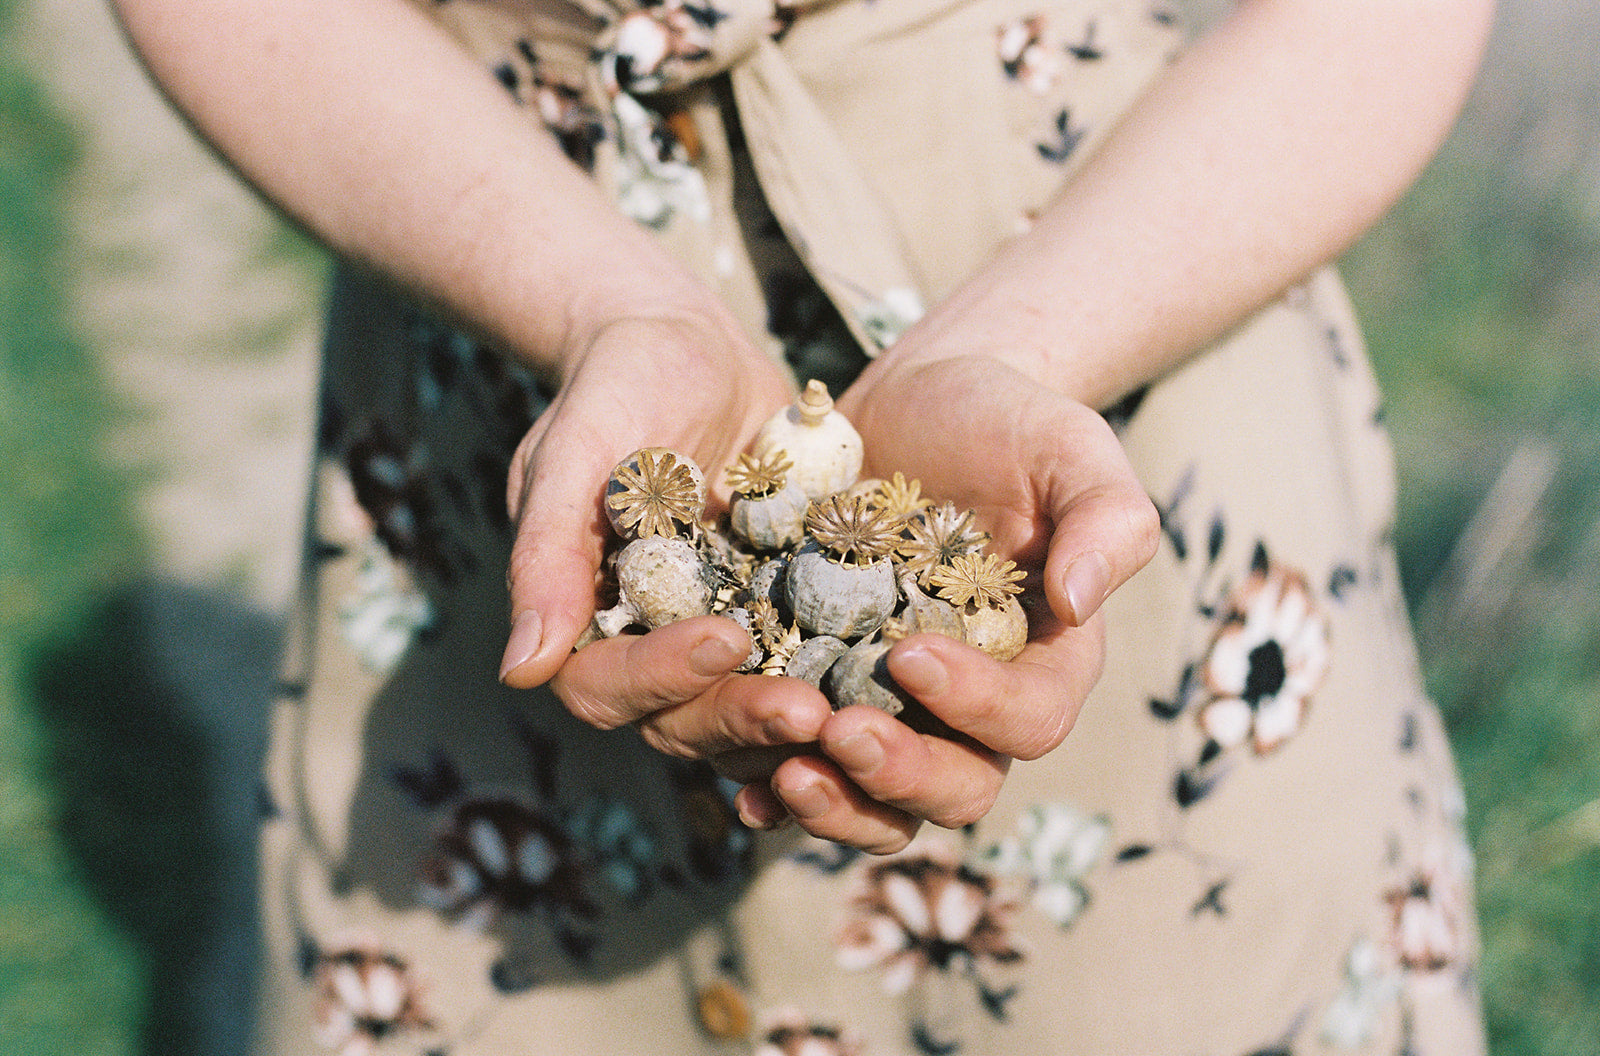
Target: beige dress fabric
[[1251, 842]]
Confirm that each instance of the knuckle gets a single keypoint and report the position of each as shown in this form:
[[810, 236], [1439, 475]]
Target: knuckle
[[669, 744], [1045, 737], [969, 810], [890, 842], [1144, 528], [587, 708]]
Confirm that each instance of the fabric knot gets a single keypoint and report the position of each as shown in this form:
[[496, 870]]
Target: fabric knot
[[672, 43]]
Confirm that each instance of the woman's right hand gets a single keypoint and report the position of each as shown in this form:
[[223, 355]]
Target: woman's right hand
[[684, 380]]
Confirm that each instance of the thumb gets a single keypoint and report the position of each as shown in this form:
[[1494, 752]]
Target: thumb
[[554, 561], [1104, 532]]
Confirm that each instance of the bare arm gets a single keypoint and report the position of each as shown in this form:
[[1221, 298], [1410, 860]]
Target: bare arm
[[364, 122], [1262, 153]]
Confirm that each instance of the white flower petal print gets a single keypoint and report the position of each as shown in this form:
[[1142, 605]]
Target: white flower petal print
[[360, 1045], [1227, 720], [1228, 666], [902, 895], [386, 992], [1261, 612], [1061, 902], [870, 943], [957, 911], [536, 859], [1292, 612], [488, 846], [901, 973], [1277, 719], [346, 982]]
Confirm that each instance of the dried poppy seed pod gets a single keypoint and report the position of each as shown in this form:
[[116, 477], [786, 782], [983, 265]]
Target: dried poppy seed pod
[[844, 600], [654, 491], [925, 615], [768, 510], [660, 580], [842, 582], [983, 588], [757, 654], [813, 658], [861, 675], [824, 447], [1001, 631]]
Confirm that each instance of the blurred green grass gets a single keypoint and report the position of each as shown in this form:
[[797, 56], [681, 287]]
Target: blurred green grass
[[69, 981], [1482, 306], [1480, 302]]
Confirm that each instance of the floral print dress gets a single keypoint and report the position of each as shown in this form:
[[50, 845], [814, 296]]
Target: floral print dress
[[1249, 844]]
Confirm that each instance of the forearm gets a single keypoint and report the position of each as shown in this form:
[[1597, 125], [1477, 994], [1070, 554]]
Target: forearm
[[368, 125], [1262, 154]]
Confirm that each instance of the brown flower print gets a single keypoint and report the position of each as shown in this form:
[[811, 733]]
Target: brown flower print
[[1427, 930], [364, 994], [789, 1033], [1269, 655], [496, 854], [927, 911]]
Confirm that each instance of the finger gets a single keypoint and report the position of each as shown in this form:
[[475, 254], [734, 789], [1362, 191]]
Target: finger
[[827, 805], [760, 808], [676, 682], [554, 560], [1023, 708], [948, 782], [740, 712], [1106, 527]]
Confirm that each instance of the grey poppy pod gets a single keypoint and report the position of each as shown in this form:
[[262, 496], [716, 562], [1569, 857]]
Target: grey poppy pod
[[774, 521], [767, 581], [861, 676], [926, 615], [814, 657], [844, 600], [660, 580]]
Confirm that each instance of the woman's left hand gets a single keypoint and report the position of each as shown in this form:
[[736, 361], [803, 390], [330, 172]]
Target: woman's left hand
[[1049, 481]]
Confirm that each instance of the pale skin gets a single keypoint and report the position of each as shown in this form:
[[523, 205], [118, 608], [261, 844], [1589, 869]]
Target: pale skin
[[1263, 153]]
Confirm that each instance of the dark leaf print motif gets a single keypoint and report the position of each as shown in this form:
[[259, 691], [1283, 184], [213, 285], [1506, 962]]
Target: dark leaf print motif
[[1087, 51], [1066, 139], [1119, 414], [1211, 901], [509, 976], [1341, 580], [1191, 786], [1168, 710], [432, 786], [923, 1038], [1170, 515], [1133, 852], [995, 1001]]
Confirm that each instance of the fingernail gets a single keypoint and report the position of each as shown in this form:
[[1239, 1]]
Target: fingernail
[[807, 801], [527, 632], [1085, 585], [860, 752], [714, 656], [919, 671], [759, 808]]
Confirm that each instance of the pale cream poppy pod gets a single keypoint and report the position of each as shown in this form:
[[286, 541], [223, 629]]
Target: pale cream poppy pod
[[825, 449]]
